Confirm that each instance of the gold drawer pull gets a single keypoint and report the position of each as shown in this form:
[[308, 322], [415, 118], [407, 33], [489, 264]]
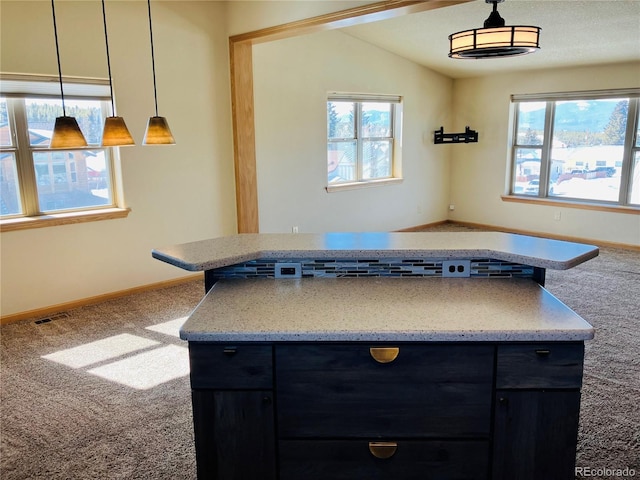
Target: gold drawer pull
[[383, 449], [384, 354]]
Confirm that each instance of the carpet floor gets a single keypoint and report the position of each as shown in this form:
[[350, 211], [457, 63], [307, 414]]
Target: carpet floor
[[102, 392]]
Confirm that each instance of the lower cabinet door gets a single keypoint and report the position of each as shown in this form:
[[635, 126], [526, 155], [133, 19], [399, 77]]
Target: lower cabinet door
[[535, 435], [234, 434], [406, 460]]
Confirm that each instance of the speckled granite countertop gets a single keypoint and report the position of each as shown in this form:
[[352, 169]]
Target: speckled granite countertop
[[382, 309], [223, 251]]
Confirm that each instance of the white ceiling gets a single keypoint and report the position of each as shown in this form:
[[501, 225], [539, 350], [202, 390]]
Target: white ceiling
[[574, 32]]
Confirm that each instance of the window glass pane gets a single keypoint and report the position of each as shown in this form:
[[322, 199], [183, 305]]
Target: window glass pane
[[70, 179], [527, 171], [341, 120], [634, 191], [588, 144], [531, 123], [42, 113], [341, 161], [9, 187], [376, 159], [376, 119], [638, 131], [5, 129]]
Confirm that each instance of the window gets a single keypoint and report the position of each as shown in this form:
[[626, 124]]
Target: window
[[39, 182], [363, 133], [578, 147]]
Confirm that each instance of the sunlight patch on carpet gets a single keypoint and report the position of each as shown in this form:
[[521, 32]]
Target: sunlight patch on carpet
[[172, 327], [100, 350], [147, 369]]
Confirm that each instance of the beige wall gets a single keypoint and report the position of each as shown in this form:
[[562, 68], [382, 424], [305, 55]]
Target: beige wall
[[291, 80], [479, 171], [185, 192], [177, 193]]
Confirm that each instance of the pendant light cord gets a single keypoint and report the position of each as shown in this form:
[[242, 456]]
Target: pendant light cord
[[55, 34], [153, 61], [106, 41]]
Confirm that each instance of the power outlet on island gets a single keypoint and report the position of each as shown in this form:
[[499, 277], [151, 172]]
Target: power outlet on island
[[288, 270], [456, 268]]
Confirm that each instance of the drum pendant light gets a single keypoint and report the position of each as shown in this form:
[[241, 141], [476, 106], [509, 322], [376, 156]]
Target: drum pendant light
[[157, 132], [494, 40], [66, 132], [115, 132]]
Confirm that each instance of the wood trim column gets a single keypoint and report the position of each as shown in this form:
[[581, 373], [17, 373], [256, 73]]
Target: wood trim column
[[244, 141], [242, 111]]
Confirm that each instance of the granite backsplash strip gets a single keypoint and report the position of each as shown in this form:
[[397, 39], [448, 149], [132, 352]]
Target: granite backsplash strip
[[388, 267]]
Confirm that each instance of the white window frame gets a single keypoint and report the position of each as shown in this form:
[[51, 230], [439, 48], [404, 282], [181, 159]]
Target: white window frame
[[15, 89], [395, 139], [631, 146]]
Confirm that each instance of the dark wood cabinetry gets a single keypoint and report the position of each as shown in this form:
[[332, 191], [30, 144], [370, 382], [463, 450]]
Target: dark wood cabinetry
[[536, 411], [458, 411]]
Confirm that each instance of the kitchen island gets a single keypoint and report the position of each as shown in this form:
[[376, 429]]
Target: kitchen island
[[401, 356]]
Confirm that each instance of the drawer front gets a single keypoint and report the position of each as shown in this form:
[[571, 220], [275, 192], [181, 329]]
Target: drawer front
[[341, 391], [543, 365], [352, 459], [223, 366]]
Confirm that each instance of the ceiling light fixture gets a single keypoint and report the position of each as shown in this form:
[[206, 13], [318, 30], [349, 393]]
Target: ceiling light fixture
[[157, 132], [494, 40], [66, 132], [115, 132]]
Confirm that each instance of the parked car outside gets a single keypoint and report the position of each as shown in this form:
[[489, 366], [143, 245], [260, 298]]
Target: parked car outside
[[532, 187], [609, 171]]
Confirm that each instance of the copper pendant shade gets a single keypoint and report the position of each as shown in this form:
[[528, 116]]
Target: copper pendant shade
[[157, 132], [115, 132], [66, 131], [67, 134]]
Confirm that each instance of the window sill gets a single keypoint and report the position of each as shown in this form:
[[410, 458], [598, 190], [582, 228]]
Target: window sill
[[364, 184], [54, 219], [572, 204]]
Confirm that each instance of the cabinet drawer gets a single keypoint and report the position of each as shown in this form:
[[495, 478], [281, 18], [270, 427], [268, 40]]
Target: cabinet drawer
[[348, 460], [341, 391], [225, 366], [541, 365]]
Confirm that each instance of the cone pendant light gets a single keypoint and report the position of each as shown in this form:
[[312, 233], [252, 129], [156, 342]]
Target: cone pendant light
[[115, 132], [66, 132], [157, 132]]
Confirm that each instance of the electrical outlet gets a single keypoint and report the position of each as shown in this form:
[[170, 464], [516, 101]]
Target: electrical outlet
[[557, 216], [288, 270], [452, 207], [294, 229], [456, 268]]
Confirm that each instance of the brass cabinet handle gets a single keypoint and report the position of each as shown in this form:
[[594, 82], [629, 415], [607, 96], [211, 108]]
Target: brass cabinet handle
[[384, 354], [383, 449]]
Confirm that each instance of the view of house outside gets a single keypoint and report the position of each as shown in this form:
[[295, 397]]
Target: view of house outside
[[64, 179], [586, 152], [360, 141]]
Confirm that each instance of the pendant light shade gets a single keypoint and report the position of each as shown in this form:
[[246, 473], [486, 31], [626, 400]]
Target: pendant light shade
[[495, 39], [157, 132], [67, 134], [66, 131], [115, 132]]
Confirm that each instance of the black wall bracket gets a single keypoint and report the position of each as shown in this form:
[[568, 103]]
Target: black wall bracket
[[469, 136]]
